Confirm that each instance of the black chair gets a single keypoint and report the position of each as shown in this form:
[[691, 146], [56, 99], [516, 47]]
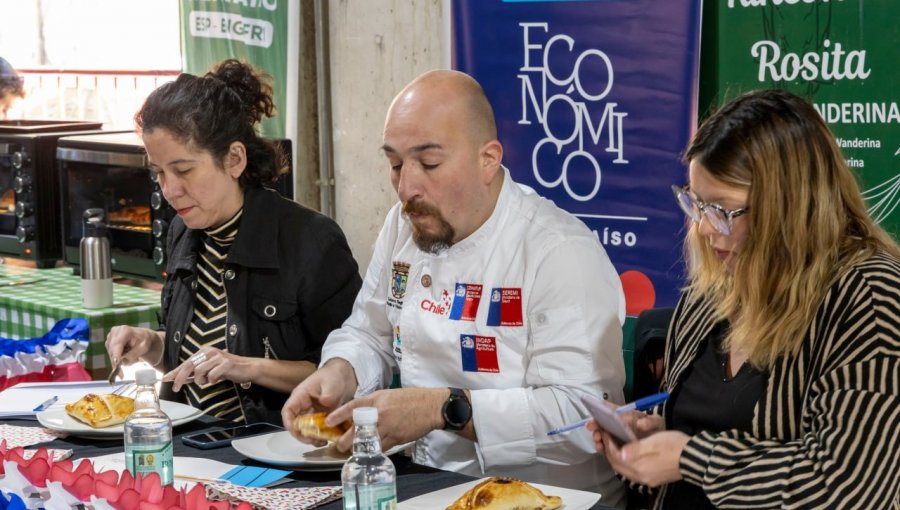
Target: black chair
[[649, 341], [650, 331]]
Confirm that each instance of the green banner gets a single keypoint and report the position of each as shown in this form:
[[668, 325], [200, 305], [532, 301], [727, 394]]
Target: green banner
[[253, 31], [840, 54]]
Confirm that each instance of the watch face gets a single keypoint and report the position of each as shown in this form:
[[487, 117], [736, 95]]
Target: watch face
[[457, 412]]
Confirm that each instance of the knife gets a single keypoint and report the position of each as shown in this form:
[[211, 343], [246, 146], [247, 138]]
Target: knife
[[116, 371]]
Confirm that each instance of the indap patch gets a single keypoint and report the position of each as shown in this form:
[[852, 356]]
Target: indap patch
[[479, 353]]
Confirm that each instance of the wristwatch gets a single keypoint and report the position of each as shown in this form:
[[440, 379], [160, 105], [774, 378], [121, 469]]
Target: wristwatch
[[457, 410]]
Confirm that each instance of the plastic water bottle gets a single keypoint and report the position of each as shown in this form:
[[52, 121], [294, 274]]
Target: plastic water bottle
[[148, 432], [368, 477]]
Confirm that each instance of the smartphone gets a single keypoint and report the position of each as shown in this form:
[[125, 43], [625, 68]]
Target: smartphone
[[223, 437], [608, 419]]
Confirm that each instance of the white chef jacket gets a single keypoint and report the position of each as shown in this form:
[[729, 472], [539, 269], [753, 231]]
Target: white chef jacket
[[526, 312]]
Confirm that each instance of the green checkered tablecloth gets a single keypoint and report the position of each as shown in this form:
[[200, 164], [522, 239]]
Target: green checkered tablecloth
[[32, 300]]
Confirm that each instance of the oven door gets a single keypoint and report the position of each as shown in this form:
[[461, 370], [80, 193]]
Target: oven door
[[7, 193], [127, 192]]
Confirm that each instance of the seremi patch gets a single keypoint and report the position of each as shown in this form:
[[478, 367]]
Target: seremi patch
[[506, 307]]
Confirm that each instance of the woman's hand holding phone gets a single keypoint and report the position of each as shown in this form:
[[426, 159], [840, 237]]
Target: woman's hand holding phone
[[640, 424], [623, 423]]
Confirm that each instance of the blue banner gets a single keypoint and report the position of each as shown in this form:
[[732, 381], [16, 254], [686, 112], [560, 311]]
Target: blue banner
[[595, 103]]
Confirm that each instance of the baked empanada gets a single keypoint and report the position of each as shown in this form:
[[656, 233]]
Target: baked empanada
[[313, 425], [101, 411], [505, 494]]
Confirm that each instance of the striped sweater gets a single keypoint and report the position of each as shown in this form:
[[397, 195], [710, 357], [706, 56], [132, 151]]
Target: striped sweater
[[826, 433]]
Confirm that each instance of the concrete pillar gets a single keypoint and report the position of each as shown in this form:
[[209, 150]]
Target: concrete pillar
[[306, 166], [377, 47]]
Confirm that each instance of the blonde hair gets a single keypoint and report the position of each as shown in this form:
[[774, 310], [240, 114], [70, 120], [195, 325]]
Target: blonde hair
[[808, 223]]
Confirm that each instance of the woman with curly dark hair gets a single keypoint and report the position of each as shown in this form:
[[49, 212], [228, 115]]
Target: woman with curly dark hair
[[255, 282]]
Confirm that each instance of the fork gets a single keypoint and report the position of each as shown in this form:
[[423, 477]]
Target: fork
[[125, 390]]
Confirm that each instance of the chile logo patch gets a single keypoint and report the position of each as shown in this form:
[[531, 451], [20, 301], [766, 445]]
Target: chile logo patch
[[506, 307], [479, 353], [465, 302]]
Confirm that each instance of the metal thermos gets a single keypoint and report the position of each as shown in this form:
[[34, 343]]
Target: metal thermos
[[96, 266]]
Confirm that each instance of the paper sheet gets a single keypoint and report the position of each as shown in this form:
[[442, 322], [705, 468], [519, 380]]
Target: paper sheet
[[190, 470], [20, 400]]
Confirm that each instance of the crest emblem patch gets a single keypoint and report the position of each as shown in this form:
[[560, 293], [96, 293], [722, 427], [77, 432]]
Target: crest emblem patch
[[399, 278]]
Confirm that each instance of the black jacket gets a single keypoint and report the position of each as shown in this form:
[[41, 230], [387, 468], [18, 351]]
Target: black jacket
[[290, 279]]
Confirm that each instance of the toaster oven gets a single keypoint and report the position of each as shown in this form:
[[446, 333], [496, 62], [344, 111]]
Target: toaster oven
[[29, 189], [110, 171]]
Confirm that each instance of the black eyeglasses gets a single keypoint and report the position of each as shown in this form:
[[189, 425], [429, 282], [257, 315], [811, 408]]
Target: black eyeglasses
[[717, 216]]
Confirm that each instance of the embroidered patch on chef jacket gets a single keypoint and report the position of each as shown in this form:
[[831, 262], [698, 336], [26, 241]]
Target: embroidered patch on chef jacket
[[465, 302], [506, 307], [399, 278], [479, 353], [398, 346]]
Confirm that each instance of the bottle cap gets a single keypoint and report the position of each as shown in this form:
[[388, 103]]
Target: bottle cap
[[365, 416], [94, 224], [146, 376]]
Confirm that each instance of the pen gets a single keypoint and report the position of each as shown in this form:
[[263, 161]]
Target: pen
[[566, 428], [641, 404], [45, 404]]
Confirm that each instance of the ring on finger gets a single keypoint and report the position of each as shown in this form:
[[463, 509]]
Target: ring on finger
[[198, 358]]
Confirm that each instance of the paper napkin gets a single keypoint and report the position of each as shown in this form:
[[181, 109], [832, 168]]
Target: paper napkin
[[16, 436], [302, 498]]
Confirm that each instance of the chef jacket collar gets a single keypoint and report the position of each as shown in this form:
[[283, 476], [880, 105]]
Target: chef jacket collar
[[482, 234]]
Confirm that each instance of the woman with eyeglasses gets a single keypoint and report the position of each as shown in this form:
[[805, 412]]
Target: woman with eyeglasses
[[783, 354]]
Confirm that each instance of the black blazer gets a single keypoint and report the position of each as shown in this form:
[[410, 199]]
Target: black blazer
[[290, 279]]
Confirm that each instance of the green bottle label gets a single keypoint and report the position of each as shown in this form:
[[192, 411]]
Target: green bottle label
[[151, 459]]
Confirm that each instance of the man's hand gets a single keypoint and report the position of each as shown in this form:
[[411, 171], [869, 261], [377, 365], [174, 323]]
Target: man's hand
[[404, 414], [327, 388]]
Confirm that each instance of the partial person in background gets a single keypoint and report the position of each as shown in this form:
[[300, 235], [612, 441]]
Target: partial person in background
[[11, 87], [255, 282], [783, 355], [497, 309]]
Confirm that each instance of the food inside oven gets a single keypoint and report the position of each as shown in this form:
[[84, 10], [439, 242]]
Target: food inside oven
[[123, 192], [131, 217], [8, 202]]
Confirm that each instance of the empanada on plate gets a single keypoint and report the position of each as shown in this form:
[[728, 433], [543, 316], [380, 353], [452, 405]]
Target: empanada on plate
[[499, 493], [100, 411]]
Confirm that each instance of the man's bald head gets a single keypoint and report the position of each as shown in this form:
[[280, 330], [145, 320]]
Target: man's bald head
[[440, 140], [451, 93]]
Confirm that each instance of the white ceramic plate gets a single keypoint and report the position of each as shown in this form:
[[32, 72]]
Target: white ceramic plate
[[281, 449], [572, 499], [56, 418]]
